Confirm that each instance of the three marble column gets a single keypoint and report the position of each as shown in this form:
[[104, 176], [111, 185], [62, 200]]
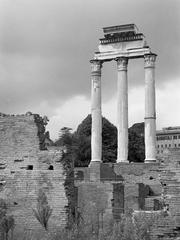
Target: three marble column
[[122, 110]]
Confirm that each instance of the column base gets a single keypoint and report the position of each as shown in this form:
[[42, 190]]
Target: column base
[[95, 160], [95, 170], [151, 160], [122, 161]]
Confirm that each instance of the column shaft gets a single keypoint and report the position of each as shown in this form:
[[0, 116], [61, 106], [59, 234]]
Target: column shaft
[[96, 129], [150, 110], [122, 110]]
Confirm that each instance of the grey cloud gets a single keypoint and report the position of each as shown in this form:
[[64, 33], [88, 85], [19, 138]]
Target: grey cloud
[[46, 46]]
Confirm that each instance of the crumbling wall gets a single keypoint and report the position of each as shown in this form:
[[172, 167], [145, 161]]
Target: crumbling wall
[[170, 179], [20, 190], [152, 189], [22, 137], [25, 169], [169, 174], [19, 141], [140, 186], [95, 204]]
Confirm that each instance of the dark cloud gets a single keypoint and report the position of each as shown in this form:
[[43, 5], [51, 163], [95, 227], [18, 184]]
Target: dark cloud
[[46, 46]]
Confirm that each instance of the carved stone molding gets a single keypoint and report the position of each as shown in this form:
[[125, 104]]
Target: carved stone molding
[[122, 63], [149, 60]]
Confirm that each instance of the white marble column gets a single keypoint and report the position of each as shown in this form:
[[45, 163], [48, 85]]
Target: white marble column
[[122, 110], [96, 129], [150, 110]]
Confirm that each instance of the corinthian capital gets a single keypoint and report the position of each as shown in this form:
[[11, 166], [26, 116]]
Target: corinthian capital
[[96, 65], [149, 60], [122, 63]]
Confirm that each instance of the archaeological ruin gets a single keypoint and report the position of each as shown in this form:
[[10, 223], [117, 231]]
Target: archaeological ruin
[[26, 166], [103, 191], [149, 187]]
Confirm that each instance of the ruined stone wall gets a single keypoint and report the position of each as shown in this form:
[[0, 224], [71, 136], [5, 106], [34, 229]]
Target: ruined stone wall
[[20, 190], [19, 142], [119, 188], [95, 203], [25, 169], [169, 177], [151, 189], [140, 186]]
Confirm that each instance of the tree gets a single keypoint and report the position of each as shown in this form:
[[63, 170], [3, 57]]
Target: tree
[[43, 211], [136, 143], [65, 137], [79, 142], [7, 224], [109, 141]]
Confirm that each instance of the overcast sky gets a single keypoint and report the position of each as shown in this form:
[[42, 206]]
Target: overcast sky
[[46, 45]]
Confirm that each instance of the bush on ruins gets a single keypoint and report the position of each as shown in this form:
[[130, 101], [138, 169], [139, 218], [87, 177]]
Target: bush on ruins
[[79, 142], [7, 222]]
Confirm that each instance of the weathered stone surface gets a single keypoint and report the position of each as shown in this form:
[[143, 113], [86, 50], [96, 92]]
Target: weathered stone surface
[[122, 110], [150, 108], [25, 168], [126, 187]]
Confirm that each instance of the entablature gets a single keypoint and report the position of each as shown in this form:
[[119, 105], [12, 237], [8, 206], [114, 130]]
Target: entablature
[[130, 53]]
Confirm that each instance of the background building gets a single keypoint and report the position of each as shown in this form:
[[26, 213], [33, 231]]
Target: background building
[[167, 138]]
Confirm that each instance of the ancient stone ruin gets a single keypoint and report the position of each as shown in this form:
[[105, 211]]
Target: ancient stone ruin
[[27, 166], [104, 191], [152, 187], [123, 43]]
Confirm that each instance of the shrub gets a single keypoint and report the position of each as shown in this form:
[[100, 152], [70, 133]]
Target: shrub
[[7, 222], [43, 211]]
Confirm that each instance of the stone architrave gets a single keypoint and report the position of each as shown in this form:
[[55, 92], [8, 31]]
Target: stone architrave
[[122, 110], [150, 110], [96, 129]]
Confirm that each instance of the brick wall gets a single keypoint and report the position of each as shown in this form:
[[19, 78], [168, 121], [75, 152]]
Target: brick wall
[[25, 168], [146, 188], [170, 180], [140, 181], [19, 141]]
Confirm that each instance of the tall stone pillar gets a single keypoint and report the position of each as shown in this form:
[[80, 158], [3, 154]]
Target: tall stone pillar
[[122, 109], [150, 111], [96, 129]]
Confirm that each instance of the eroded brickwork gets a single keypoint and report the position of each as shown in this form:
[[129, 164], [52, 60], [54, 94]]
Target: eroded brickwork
[[141, 186], [105, 191], [170, 180], [151, 189], [26, 167]]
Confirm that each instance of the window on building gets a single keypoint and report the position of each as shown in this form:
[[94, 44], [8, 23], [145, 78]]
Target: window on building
[[162, 146], [179, 136], [175, 144], [169, 145], [174, 137], [157, 151], [166, 145], [158, 145], [161, 151], [179, 145]]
